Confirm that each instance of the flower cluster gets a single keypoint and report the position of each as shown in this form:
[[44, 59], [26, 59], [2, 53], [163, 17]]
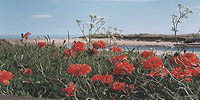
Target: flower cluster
[[147, 54], [69, 52], [96, 45], [78, 69], [118, 58], [120, 67], [108, 78], [41, 44], [186, 60], [78, 46], [5, 77], [119, 86], [161, 72], [188, 66], [70, 89], [115, 49], [99, 44], [123, 68], [154, 64]]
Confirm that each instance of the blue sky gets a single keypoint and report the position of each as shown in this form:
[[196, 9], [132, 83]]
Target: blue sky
[[59, 16]]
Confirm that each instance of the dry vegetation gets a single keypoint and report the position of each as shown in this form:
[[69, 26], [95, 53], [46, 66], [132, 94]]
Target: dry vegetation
[[152, 37]]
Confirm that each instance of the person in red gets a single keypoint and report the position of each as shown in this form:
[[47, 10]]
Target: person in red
[[25, 36]]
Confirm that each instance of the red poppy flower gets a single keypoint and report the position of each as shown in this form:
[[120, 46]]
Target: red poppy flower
[[41, 44], [177, 72], [123, 68], [188, 79], [152, 63], [99, 44], [5, 77], [159, 72], [180, 73], [70, 89], [78, 46], [118, 86], [26, 71], [96, 78], [186, 60], [147, 54], [188, 74], [194, 71], [118, 58], [78, 69], [187, 66], [69, 52], [103, 78], [115, 49]]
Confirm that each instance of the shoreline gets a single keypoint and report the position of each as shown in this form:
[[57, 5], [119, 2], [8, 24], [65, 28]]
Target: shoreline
[[116, 42], [59, 42]]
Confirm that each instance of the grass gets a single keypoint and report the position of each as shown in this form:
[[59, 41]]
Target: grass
[[49, 76]]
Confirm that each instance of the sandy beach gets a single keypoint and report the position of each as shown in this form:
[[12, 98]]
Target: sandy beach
[[117, 42]]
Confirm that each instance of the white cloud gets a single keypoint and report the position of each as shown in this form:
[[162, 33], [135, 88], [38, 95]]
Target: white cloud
[[41, 16]]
